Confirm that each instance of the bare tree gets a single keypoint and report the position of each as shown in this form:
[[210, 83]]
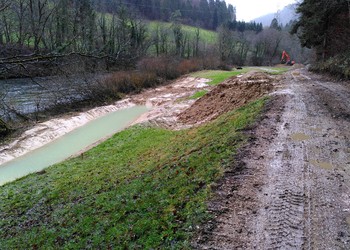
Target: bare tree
[[226, 44], [349, 9], [20, 9], [4, 4], [39, 14]]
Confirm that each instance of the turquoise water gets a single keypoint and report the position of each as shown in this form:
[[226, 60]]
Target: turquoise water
[[69, 144]]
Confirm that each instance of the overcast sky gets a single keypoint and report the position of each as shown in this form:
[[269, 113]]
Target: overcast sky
[[250, 9]]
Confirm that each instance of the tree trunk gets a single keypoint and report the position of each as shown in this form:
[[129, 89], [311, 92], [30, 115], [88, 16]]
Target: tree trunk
[[349, 10]]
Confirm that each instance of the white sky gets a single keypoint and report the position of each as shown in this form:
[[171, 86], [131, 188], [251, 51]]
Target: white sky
[[249, 9]]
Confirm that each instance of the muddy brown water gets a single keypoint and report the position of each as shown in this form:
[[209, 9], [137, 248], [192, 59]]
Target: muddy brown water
[[321, 164], [300, 137]]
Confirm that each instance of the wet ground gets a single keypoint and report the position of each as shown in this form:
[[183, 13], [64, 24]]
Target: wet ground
[[164, 104], [291, 186]]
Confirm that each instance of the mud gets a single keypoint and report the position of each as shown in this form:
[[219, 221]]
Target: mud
[[231, 94], [287, 193], [165, 103], [168, 102]]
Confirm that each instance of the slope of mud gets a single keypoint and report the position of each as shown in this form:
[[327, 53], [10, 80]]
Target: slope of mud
[[233, 93]]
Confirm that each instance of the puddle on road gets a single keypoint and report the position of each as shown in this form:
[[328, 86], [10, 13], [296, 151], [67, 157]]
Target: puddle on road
[[321, 164], [300, 137], [316, 129]]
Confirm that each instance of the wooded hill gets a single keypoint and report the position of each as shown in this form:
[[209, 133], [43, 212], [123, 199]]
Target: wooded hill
[[202, 13], [114, 31]]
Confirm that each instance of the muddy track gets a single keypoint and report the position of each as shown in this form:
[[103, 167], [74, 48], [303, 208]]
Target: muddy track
[[293, 191]]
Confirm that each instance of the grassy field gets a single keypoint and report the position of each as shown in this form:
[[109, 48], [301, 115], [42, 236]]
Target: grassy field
[[198, 94], [207, 36], [144, 188]]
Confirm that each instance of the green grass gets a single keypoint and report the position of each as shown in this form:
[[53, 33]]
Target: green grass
[[144, 188], [217, 76], [199, 94], [207, 36]]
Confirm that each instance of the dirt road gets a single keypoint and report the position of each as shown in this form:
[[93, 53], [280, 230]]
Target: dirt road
[[291, 187]]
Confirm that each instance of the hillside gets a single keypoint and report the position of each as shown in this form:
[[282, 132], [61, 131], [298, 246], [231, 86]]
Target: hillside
[[283, 16], [202, 13]]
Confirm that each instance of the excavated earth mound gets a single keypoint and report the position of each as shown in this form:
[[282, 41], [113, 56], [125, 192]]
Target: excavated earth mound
[[233, 93]]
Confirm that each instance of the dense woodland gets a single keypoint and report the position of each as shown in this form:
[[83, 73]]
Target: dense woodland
[[207, 14], [324, 25], [98, 26], [118, 32]]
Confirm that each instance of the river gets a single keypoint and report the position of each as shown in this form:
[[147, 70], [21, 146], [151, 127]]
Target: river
[[30, 95]]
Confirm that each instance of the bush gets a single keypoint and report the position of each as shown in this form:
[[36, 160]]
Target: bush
[[338, 66], [150, 73], [169, 68], [164, 67], [123, 82], [188, 66]]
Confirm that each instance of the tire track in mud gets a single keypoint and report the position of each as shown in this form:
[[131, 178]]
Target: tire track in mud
[[280, 225], [294, 192]]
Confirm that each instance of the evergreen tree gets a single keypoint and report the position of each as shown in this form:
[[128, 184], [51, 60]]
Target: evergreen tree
[[274, 24], [324, 25], [204, 13]]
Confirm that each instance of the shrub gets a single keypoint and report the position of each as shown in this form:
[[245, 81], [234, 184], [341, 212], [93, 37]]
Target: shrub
[[150, 72], [188, 66], [123, 82], [338, 66], [164, 67]]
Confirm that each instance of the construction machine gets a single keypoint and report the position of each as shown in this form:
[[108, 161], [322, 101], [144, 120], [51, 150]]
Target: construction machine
[[286, 59]]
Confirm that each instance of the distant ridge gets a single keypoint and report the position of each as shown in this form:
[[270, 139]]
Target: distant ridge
[[283, 16]]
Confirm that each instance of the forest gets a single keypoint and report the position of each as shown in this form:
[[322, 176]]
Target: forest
[[119, 33], [324, 26]]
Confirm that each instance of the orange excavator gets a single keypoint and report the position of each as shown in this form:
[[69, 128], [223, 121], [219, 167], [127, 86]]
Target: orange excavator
[[286, 59]]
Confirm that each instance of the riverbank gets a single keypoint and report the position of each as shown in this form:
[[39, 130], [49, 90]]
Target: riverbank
[[163, 104]]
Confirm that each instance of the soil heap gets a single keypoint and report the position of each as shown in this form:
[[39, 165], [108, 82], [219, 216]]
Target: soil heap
[[231, 94]]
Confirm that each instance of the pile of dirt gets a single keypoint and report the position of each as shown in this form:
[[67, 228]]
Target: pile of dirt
[[231, 94]]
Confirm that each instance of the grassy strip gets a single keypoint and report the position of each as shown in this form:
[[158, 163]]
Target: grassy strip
[[199, 94], [143, 188], [217, 76]]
